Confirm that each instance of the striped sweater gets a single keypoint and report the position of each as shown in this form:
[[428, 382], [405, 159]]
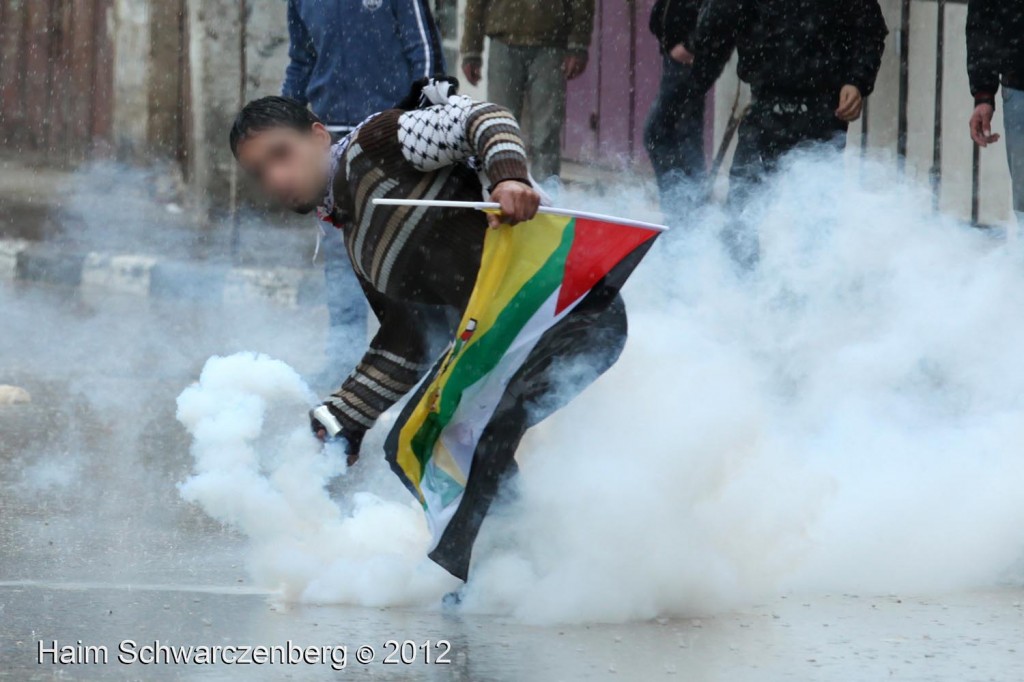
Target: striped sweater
[[405, 257]]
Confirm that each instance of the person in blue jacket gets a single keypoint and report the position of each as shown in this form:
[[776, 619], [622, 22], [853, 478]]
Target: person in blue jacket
[[349, 59]]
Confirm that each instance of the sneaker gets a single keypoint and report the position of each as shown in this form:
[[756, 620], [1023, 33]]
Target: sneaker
[[452, 600]]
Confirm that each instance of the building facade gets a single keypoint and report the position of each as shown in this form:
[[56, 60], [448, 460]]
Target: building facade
[[149, 79]]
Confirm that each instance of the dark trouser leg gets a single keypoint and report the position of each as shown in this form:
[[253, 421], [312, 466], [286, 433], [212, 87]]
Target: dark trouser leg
[[773, 127], [748, 170], [674, 139], [566, 360]]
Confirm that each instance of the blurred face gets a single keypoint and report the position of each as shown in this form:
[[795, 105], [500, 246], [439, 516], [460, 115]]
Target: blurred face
[[291, 166]]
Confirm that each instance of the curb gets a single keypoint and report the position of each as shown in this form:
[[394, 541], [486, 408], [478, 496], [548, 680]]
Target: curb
[[140, 275]]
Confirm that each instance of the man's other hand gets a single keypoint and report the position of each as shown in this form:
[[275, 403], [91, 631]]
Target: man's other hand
[[981, 125], [519, 202], [326, 427], [323, 423], [850, 104], [680, 54], [574, 64], [472, 69]]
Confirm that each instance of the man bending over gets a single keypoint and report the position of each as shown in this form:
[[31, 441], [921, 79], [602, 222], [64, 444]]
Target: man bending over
[[411, 259]]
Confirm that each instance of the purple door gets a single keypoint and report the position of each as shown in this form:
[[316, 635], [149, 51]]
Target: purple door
[[607, 105]]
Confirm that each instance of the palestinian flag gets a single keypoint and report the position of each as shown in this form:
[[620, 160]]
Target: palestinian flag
[[531, 276]]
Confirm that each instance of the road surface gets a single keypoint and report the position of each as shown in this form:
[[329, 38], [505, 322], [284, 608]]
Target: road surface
[[98, 551]]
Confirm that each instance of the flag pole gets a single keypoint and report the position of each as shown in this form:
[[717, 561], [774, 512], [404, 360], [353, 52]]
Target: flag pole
[[491, 206]]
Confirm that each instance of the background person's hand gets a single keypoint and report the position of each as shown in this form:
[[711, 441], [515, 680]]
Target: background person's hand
[[981, 125], [574, 65], [680, 54], [471, 69], [850, 103], [519, 202]]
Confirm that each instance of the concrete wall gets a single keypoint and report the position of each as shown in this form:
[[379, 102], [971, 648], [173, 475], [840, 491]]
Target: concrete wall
[[131, 75], [266, 47], [217, 90]]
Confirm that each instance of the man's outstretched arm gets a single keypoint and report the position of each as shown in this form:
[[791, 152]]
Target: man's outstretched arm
[[454, 132], [396, 360], [460, 129]]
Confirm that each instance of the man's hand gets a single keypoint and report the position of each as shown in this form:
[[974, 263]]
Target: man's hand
[[472, 68], [326, 427], [981, 125], [574, 64], [680, 54], [850, 104], [519, 202]]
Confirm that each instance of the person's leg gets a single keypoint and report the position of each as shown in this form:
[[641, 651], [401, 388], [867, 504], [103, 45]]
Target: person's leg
[[546, 95], [1013, 122], [506, 76], [346, 310], [674, 136], [748, 167], [567, 359], [690, 136], [773, 127], [745, 177]]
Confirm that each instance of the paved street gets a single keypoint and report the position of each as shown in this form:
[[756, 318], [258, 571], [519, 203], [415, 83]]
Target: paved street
[[96, 545]]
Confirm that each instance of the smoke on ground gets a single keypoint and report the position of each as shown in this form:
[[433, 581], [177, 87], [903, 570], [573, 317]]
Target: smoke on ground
[[846, 417]]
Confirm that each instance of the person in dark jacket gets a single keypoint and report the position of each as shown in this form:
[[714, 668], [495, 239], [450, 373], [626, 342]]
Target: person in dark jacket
[[674, 132], [809, 63], [348, 60], [995, 51]]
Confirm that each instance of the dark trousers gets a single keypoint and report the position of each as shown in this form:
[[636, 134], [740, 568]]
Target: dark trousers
[[773, 126], [528, 79], [568, 358], [674, 139]]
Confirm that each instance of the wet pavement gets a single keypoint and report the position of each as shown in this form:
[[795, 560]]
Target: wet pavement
[[96, 546]]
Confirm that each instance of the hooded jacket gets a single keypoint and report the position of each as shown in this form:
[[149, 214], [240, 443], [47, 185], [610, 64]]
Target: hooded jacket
[[352, 58]]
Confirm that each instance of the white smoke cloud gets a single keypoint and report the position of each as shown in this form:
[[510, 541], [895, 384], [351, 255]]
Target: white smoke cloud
[[847, 417], [271, 484]]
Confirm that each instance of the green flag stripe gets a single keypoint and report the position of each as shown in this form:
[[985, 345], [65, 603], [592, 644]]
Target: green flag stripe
[[483, 355]]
